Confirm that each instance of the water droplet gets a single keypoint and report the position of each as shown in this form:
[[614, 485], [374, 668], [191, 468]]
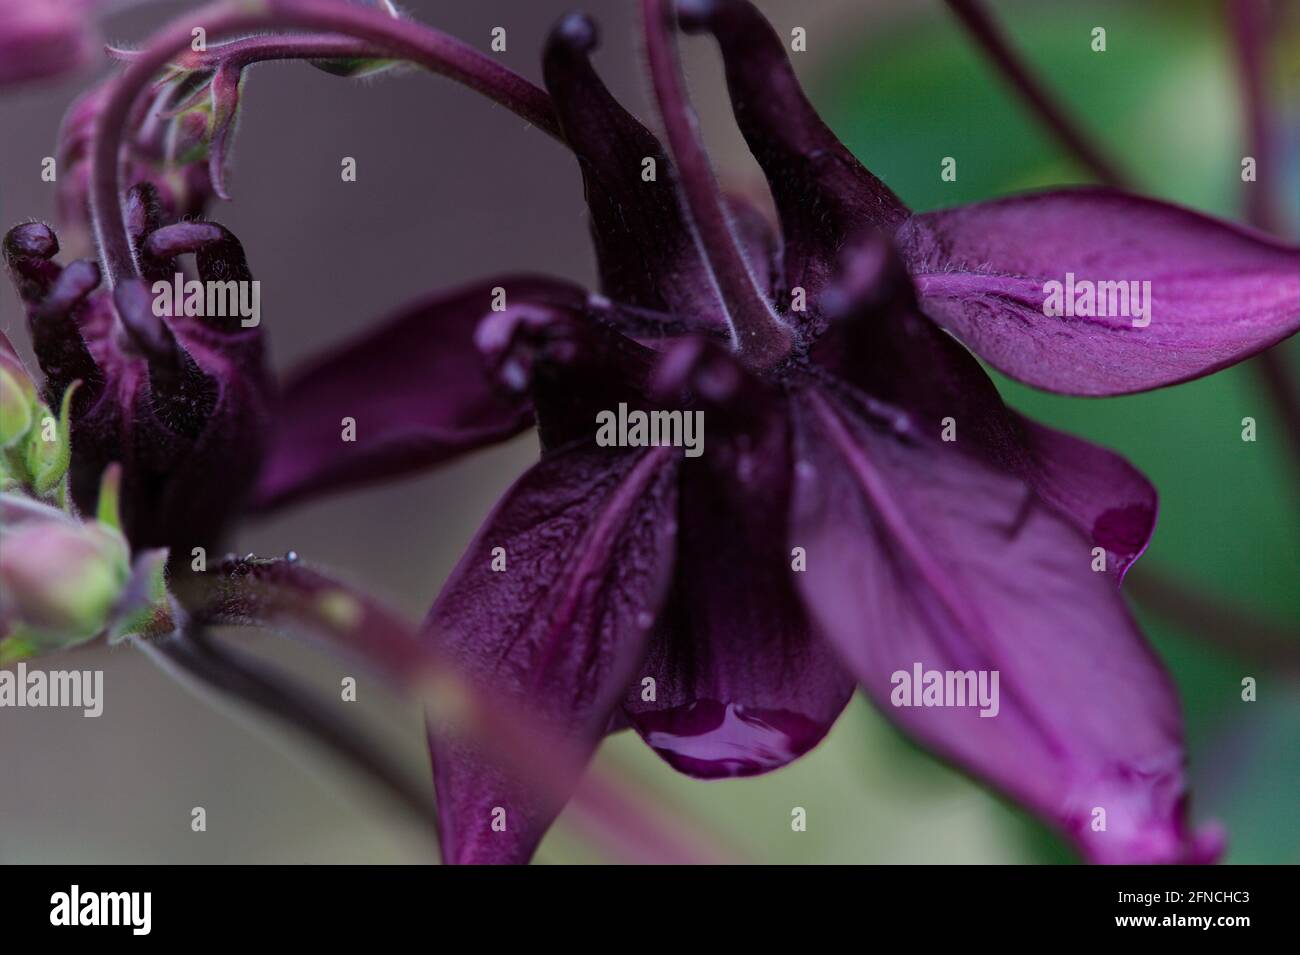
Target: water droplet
[[250, 556], [291, 556], [644, 619], [710, 739]]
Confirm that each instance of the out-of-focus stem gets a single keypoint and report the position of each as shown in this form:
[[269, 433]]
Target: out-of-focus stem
[[1230, 629], [1249, 20], [203, 660], [993, 42], [288, 596], [402, 39]]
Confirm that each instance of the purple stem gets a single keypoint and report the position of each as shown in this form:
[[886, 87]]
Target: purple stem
[[292, 598], [204, 660], [1231, 629], [402, 39], [1250, 24], [760, 337], [991, 39]]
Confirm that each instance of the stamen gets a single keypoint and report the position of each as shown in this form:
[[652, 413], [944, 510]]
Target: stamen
[[761, 338]]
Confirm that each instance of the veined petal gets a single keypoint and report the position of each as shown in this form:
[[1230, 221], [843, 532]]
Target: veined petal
[[742, 685], [919, 558], [883, 344], [550, 610], [416, 388], [1146, 293]]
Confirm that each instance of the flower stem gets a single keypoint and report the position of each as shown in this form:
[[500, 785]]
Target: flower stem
[[1227, 628], [990, 38], [760, 337], [1249, 21], [201, 659], [401, 39]]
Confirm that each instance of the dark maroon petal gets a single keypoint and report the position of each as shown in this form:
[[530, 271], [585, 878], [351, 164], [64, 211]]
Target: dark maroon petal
[[822, 193], [53, 295], [741, 683], [572, 361], [1218, 292], [416, 387], [645, 249], [920, 555], [888, 349], [587, 538]]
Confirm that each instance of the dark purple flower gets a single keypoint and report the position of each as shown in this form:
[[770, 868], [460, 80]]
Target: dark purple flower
[[727, 605], [182, 404]]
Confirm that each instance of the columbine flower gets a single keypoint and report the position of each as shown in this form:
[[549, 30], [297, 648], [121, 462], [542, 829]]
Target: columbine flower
[[724, 606], [636, 586], [181, 404]]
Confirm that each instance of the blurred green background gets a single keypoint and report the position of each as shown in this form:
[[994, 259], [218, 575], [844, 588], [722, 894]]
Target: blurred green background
[[902, 86]]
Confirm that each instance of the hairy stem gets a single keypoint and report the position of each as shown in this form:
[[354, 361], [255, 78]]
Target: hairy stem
[[994, 43], [401, 39], [1249, 21], [760, 337]]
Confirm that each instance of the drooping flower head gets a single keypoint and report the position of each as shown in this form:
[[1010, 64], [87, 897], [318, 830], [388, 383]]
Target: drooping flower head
[[830, 535]]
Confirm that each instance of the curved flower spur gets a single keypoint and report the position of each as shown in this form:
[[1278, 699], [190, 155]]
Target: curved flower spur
[[726, 606]]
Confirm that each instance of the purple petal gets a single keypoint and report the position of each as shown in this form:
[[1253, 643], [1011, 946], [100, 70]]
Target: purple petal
[[741, 683], [417, 388], [822, 192], [889, 350], [572, 361], [920, 556], [587, 538], [1218, 293]]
